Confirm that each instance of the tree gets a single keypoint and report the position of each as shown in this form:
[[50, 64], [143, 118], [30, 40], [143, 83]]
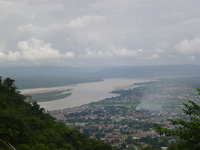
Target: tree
[[9, 82], [123, 146], [25, 126], [188, 132], [0, 80], [129, 140]]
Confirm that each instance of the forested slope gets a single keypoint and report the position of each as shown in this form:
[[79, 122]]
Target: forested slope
[[27, 127]]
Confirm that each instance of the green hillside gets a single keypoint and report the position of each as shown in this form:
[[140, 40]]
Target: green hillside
[[27, 127]]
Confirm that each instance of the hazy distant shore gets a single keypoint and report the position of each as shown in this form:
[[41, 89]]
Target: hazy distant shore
[[86, 92]]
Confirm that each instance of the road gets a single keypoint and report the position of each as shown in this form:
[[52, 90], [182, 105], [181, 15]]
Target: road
[[136, 147]]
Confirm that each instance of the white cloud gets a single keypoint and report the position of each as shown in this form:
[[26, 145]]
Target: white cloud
[[2, 56], [69, 55], [29, 27], [84, 21], [123, 52], [112, 51], [35, 49], [96, 54], [188, 47], [13, 56]]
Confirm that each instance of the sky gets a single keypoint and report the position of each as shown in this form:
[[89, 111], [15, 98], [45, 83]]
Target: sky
[[99, 32]]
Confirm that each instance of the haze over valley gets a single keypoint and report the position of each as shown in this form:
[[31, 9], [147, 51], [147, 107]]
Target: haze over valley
[[77, 86]]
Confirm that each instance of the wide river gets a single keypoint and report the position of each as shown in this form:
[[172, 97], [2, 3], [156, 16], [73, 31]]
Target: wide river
[[85, 93]]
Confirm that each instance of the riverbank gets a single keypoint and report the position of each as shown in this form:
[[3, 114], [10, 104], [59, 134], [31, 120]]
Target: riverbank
[[86, 92]]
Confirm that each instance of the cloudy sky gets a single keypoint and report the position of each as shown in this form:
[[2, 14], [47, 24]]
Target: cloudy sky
[[99, 32]]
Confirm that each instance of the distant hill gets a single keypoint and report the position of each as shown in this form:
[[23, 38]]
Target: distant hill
[[27, 127], [150, 71], [48, 76]]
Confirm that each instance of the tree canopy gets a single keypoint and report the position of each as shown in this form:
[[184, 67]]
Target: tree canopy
[[188, 131], [27, 127]]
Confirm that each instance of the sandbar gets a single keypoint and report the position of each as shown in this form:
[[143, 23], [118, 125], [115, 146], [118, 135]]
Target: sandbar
[[46, 91]]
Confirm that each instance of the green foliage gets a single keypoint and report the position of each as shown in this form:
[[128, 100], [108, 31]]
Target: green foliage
[[187, 131], [26, 126]]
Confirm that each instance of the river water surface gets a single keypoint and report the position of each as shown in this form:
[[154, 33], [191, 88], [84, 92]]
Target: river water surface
[[85, 93]]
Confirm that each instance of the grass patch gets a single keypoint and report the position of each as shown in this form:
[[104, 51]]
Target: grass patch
[[49, 96]]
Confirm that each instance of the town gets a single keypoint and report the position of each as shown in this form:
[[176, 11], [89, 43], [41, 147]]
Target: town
[[127, 121]]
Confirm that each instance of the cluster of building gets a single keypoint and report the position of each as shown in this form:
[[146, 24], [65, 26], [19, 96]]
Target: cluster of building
[[126, 119]]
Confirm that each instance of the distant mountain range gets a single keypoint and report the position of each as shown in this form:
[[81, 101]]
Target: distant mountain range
[[151, 71], [45, 76]]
